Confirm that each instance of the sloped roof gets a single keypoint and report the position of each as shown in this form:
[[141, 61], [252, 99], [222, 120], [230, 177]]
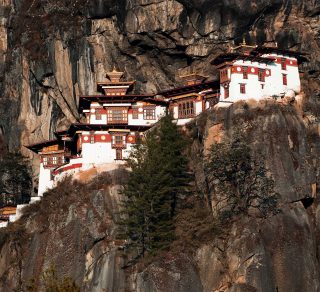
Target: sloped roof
[[213, 84]]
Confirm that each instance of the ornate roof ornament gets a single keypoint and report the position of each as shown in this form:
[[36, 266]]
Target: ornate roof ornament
[[114, 76]]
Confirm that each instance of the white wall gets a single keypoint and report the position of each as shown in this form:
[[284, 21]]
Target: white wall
[[198, 107], [160, 112], [273, 84], [101, 152], [45, 181], [102, 121]]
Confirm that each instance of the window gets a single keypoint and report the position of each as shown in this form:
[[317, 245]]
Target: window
[[54, 160], [45, 160], [262, 86], [92, 138], [226, 91], [284, 78], [242, 88], [98, 114], [118, 141], [245, 72], [118, 116], [261, 76], [118, 154], [149, 113], [185, 109], [135, 113], [283, 64], [223, 75]]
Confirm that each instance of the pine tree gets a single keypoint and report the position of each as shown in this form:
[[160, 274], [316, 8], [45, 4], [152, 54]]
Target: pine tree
[[159, 174]]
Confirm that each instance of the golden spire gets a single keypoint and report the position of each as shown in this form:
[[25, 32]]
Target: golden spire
[[114, 75], [244, 41]]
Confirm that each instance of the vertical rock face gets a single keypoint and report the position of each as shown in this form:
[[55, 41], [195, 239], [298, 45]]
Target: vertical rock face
[[73, 227], [53, 51]]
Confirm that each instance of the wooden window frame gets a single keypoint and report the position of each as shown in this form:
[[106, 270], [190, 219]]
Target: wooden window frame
[[121, 143], [186, 109], [261, 75], [245, 72], [149, 113], [114, 116], [119, 154], [283, 63], [92, 140], [242, 88], [226, 91], [285, 79], [135, 114], [98, 115]]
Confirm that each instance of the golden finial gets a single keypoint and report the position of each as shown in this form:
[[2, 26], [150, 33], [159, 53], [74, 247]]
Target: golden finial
[[244, 40], [114, 75]]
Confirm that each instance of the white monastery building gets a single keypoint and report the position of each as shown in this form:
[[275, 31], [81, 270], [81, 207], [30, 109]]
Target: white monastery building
[[257, 73], [113, 120], [112, 123]]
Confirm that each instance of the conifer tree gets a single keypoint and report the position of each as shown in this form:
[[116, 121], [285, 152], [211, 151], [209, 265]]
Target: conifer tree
[[159, 174]]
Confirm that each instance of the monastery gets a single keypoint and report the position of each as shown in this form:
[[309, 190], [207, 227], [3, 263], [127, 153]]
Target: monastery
[[114, 119]]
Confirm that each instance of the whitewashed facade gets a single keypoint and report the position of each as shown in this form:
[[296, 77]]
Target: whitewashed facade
[[260, 74], [113, 121]]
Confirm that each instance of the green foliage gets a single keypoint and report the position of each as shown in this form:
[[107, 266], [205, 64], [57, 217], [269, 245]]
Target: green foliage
[[239, 182], [15, 180], [51, 283], [159, 175]]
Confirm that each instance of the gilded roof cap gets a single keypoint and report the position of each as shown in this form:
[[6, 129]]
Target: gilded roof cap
[[114, 75]]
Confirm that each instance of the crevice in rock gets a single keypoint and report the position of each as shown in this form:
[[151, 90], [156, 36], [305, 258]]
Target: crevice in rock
[[306, 201]]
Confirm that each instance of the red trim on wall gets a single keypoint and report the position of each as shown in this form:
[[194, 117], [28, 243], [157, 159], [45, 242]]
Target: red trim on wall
[[292, 63], [97, 138], [251, 70], [73, 166], [131, 139]]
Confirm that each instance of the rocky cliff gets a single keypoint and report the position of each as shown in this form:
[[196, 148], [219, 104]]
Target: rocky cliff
[[53, 51], [73, 227]]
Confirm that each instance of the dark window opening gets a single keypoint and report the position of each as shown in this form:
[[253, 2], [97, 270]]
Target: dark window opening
[[261, 76], [242, 88], [118, 154], [245, 72], [283, 64], [226, 91], [284, 78]]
